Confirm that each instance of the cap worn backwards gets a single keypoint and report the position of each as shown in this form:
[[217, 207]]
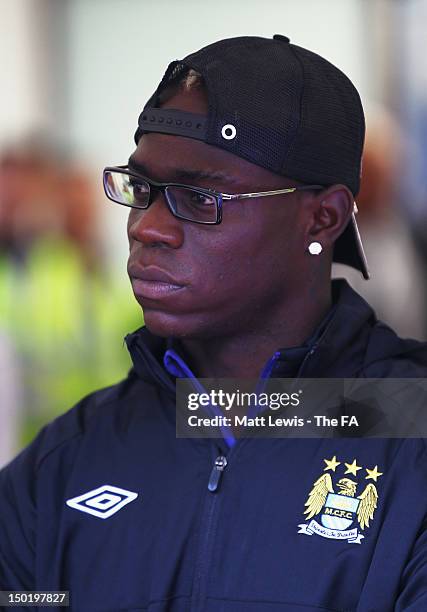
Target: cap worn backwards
[[279, 106]]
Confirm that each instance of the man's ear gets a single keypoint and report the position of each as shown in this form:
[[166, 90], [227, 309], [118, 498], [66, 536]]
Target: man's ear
[[330, 215]]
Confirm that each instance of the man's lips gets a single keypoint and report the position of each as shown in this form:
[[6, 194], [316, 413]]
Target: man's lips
[[152, 282]]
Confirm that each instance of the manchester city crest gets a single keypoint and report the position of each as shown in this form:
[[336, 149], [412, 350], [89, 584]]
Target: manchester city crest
[[339, 510]]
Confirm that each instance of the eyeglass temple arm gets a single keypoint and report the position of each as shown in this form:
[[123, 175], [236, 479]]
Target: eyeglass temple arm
[[261, 194]]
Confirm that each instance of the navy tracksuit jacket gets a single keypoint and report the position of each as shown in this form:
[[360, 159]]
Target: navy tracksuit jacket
[[107, 503]]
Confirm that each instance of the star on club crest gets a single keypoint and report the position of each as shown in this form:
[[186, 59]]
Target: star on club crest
[[339, 508]]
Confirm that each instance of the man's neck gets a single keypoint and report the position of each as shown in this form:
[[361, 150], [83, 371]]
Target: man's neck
[[245, 354]]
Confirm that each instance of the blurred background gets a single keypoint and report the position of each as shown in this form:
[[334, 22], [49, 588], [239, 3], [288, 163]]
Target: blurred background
[[74, 76]]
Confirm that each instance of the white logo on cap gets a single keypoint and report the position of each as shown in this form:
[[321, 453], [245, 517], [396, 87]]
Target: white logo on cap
[[228, 131]]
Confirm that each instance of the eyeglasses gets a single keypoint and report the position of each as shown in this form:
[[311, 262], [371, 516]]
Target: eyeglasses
[[186, 202]]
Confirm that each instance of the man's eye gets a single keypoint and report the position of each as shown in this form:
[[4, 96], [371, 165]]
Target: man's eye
[[138, 190], [137, 187], [201, 199]]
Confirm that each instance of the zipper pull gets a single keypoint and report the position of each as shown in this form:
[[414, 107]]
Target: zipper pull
[[217, 470]]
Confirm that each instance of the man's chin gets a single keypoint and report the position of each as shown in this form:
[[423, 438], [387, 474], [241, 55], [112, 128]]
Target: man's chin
[[167, 325]]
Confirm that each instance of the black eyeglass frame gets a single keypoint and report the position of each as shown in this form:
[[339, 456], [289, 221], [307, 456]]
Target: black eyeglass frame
[[218, 195]]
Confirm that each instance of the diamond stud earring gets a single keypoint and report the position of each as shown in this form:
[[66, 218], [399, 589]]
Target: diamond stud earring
[[315, 248]]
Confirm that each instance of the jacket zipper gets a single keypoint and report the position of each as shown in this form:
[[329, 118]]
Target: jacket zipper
[[217, 471], [207, 523], [207, 528]]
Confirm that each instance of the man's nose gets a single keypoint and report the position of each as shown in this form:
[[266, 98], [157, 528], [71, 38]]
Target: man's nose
[[156, 226]]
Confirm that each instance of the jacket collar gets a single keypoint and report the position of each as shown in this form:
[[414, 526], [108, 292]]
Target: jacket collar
[[340, 351]]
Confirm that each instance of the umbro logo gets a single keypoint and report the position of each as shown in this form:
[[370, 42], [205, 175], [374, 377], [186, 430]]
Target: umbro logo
[[102, 502]]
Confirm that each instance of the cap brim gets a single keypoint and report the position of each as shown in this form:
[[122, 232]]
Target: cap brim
[[349, 248]]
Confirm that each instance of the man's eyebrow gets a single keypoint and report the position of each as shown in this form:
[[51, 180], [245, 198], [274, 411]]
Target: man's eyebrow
[[134, 165], [186, 174]]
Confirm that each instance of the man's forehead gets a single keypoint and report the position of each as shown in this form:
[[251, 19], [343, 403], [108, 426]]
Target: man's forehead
[[166, 157], [173, 169]]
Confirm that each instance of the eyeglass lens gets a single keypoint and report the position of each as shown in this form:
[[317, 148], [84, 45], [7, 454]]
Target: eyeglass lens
[[185, 202]]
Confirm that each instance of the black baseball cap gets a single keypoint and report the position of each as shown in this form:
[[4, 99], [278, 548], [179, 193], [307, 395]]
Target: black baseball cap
[[279, 106]]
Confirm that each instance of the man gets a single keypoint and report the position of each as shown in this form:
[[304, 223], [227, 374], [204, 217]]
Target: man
[[106, 502]]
